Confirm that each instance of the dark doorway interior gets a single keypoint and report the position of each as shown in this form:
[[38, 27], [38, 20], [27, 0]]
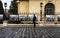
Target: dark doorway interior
[[49, 9]]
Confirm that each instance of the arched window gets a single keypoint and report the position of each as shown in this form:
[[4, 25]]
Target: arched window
[[49, 12], [49, 9]]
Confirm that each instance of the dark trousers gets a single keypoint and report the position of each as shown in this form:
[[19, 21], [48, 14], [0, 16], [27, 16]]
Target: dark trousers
[[34, 25]]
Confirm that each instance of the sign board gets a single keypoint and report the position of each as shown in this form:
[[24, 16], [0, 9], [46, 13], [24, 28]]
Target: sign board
[[1, 17], [22, 17], [13, 18], [49, 17], [58, 18], [31, 17]]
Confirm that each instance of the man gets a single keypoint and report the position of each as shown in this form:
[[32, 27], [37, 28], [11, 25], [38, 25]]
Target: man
[[34, 21]]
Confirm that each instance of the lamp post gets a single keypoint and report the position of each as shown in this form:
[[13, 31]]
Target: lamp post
[[41, 11], [5, 4]]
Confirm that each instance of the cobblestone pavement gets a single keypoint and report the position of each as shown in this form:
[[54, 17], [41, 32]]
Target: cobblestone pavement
[[29, 32]]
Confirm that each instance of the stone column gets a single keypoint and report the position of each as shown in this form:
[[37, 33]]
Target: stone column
[[18, 5]]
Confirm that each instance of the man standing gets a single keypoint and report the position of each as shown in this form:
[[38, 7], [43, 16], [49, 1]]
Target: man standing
[[34, 21]]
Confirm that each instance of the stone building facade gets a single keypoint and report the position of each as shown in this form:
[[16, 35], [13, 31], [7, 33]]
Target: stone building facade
[[42, 8]]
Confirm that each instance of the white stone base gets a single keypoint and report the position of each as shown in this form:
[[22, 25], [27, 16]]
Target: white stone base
[[41, 23], [4, 23]]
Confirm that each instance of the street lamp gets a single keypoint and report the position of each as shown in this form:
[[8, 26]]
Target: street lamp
[[41, 11], [5, 4]]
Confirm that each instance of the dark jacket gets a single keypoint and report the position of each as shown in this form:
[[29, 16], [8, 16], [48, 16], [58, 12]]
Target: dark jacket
[[34, 19]]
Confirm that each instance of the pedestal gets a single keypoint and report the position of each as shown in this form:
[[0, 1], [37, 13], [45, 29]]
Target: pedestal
[[41, 23], [4, 23]]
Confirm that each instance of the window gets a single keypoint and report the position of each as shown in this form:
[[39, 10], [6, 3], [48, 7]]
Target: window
[[49, 9]]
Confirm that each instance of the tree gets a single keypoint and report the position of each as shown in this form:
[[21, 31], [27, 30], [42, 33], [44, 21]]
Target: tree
[[14, 7], [1, 8]]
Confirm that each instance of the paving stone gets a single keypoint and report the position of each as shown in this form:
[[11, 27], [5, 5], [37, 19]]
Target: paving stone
[[29, 32]]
